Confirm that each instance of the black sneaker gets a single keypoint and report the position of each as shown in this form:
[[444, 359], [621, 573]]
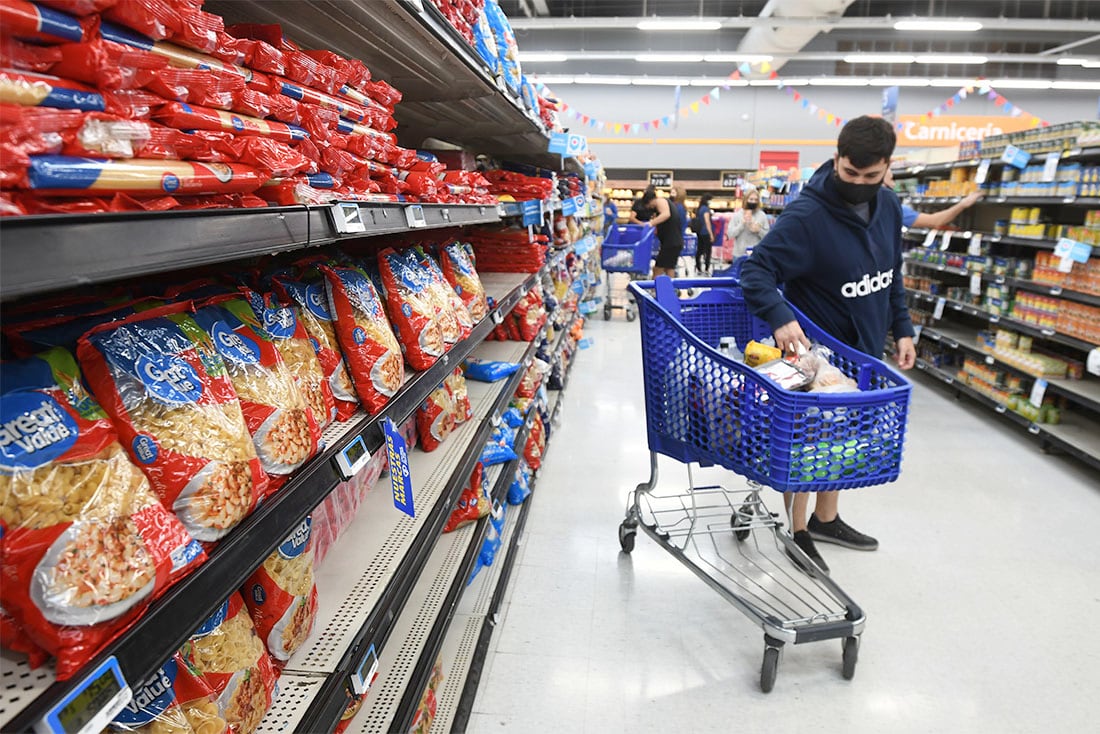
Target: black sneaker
[[840, 533], [803, 540]]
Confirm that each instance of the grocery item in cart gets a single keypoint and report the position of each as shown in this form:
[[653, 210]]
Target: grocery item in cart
[[229, 655], [281, 595], [86, 544], [173, 700], [160, 378], [435, 418], [411, 308], [370, 348]]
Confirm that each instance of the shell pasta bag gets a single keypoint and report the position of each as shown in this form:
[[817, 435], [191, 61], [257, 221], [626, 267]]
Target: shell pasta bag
[[173, 700], [85, 543], [412, 308], [159, 377]]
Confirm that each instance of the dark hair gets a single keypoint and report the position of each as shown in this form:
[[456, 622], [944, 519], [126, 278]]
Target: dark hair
[[649, 194], [705, 199], [866, 140]]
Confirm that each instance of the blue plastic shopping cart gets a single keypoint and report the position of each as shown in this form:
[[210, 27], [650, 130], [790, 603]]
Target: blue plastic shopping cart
[[705, 406], [627, 248]]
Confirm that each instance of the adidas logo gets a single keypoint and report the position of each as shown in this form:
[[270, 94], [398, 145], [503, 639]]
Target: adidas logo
[[868, 285]]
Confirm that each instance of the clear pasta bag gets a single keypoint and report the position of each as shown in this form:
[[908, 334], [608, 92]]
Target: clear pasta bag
[[173, 700]]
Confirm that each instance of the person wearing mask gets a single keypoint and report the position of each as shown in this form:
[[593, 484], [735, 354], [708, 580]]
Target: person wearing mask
[[844, 228], [610, 213], [640, 213], [911, 218], [749, 226], [670, 232], [704, 230]]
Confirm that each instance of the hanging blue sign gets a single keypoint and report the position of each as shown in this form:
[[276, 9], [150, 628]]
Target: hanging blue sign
[[532, 212], [559, 143], [400, 478]]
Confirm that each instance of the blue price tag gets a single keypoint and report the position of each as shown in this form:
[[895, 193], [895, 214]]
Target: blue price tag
[[532, 212], [568, 207], [591, 169], [1015, 157], [400, 478], [559, 143]]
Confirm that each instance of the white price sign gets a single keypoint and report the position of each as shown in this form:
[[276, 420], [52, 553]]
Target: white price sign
[[1050, 168], [916, 334], [945, 243], [975, 246], [983, 172], [976, 284], [937, 314], [1038, 390], [930, 238]]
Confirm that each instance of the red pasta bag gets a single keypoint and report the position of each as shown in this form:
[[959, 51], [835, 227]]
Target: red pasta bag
[[372, 351], [173, 699], [230, 657], [407, 288], [196, 86], [86, 545], [281, 423], [14, 638], [460, 396], [16, 54], [155, 18], [281, 595], [199, 30], [313, 312], [193, 117], [269, 156], [536, 444], [457, 260], [435, 418], [79, 7], [454, 318], [159, 377]]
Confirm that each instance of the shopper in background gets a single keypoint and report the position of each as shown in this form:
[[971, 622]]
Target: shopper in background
[[610, 213], [670, 232], [640, 213], [910, 217], [749, 226], [703, 228], [681, 208], [843, 231]]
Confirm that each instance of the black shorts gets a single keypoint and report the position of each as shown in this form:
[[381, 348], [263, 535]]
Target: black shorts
[[668, 255]]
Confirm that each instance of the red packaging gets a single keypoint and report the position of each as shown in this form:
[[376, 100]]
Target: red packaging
[[344, 107], [435, 418], [154, 18], [86, 545], [457, 260], [133, 104], [73, 176], [192, 117], [230, 657], [264, 57], [14, 638], [454, 318], [532, 378], [199, 30], [18, 55], [460, 396], [79, 7], [107, 136], [309, 72], [530, 315], [372, 351], [281, 595], [281, 423], [270, 157], [106, 65], [408, 295], [313, 312], [173, 699], [536, 444], [347, 71], [196, 86], [465, 511], [261, 104], [30, 21], [159, 377]]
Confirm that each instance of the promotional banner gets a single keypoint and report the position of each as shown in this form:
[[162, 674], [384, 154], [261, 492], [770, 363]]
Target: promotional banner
[[945, 130]]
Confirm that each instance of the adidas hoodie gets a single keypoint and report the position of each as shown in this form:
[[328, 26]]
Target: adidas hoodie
[[842, 272]]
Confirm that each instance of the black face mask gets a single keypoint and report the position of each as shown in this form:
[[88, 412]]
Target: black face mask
[[750, 205], [854, 193]]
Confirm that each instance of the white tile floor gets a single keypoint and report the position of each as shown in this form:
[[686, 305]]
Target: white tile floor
[[981, 602]]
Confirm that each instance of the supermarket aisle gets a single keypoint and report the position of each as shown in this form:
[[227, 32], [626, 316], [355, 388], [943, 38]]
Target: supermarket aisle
[[974, 600]]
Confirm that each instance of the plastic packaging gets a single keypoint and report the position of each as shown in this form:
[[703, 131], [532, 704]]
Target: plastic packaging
[[520, 488], [72, 176], [193, 117], [175, 698], [411, 307], [498, 449], [42, 90], [457, 260], [488, 371], [26, 19], [435, 418]]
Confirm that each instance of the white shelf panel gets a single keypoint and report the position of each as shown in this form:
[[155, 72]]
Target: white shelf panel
[[458, 654], [296, 692], [19, 685]]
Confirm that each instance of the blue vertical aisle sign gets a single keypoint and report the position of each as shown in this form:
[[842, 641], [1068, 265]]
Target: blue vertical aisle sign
[[559, 143], [532, 212], [400, 478], [890, 104]]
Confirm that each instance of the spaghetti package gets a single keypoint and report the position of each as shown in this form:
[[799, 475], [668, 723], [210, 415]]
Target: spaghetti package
[[457, 260], [312, 311], [435, 418], [230, 657], [157, 19], [281, 595], [412, 308], [173, 700], [159, 377], [460, 396], [31, 20], [372, 351], [71, 176], [193, 117], [42, 90], [281, 322], [455, 321], [283, 428], [86, 545]]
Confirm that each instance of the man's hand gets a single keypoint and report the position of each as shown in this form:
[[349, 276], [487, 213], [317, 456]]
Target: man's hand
[[907, 353], [969, 200], [790, 335]]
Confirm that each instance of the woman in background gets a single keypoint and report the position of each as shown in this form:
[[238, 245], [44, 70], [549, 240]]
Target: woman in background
[[750, 226], [703, 226], [681, 208]]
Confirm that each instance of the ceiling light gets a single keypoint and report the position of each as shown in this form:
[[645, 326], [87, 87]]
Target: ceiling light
[[795, 82], [667, 24], [839, 81], [937, 25], [547, 56], [1091, 64], [1072, 61], [899, 81], [659, 81], [950, 82], [764, 83], [879, 59], [951, 59], [737, 58], [1076, 85], [601, 79], [669, 58], [1021, 83], [708, 82], [549, 79]]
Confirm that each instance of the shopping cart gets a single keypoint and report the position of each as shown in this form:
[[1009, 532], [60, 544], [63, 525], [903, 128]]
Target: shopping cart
[[686, 267], [627, 248], [704, 406]]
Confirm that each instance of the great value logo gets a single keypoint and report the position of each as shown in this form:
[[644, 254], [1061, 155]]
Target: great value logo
[[151, 699], [169, 379], [295, 545], [868, 284], [34, 430], [280, 322], [233, 346]]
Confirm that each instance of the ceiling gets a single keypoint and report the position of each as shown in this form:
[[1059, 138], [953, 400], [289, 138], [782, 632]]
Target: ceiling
[[1020, 40]]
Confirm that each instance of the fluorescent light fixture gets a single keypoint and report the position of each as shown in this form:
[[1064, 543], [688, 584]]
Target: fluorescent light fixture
[[659, 58], [938, 25], [879, 59], [714, 81], [1021, 83], [839, 81], [737, 58], [900, 81], [670, 24], [951, 59], [763, 82], [1072, 61], [547, 56], [659, 81], [795, 82], [1076, 85], [1091, 64], [602, 79], [955, 82], [551, 79]]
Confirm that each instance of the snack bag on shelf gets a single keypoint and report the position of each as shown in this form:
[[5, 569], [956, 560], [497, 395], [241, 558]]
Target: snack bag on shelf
[[435, 418], [520, 488], [454, 318], [498, 449], [283, 427], [532, 379], [460, 395], [468, 509], [160, 378], [173, 699], [370, 348], [492, 541], [411, 308], [86, 545], [231, 658], [282, 597], [484, 370]]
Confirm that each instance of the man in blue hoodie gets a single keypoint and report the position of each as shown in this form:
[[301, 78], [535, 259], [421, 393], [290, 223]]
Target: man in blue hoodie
[[836, 250]]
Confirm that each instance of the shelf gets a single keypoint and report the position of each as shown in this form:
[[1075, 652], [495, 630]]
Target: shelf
[[154, 637], [935, 169], [1041, 243], [1034, 286], [57, 251], [449, 92], [949, 379], [1055, 200]]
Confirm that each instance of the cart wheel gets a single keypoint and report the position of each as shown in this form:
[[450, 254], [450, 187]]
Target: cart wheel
[[769, 669], [626, 537], [851, 655], [631, 314], [736, 522], [607, 311]]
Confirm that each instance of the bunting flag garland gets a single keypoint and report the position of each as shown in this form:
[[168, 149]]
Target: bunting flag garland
[[986, 90]]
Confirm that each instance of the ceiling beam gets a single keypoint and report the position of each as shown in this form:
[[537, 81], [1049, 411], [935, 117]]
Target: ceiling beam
[[1028, 25]]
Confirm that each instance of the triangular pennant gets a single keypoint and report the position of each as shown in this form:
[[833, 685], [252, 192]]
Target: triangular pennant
[[830, 117], [585, 119], [1044, 123], [839, 122], [715, 93], [667, 120], [924, 118], [813, 108], [964, 91], [706, 99], [645, 126], [820, 114], [600, 125], [695, 107], [626, 127], [744, 68], [618, 127], [765, 67], [1009, 107], [725, 86], [797, 96], [1000, 101], [773, 75], [1017, 112], [950, 102]]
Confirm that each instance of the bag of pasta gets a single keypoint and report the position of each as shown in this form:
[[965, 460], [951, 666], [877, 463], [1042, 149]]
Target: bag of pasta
[[312, 311], [282, 597], [454, 318], [159, 377], [457, 260], [536, 444], [85, 543], [173, 700], [411, 308], [460, 395], [370, 347], [231, 658], [435, 418], [289, 334], [283, 428]]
